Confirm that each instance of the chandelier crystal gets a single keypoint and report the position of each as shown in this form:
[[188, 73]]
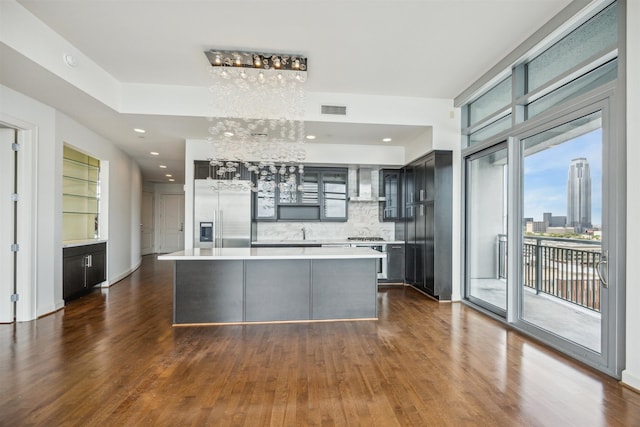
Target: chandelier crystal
[[257, 120]]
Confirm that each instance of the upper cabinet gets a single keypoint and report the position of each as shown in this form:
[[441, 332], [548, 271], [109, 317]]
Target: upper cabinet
[[391, 190]]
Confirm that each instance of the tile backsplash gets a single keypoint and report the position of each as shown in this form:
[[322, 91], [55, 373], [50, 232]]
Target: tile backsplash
[[363, 221]]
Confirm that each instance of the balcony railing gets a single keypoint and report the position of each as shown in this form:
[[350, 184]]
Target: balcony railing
[[564, 268]]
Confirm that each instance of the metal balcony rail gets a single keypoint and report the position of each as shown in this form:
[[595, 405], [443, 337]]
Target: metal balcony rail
[[563, 268]]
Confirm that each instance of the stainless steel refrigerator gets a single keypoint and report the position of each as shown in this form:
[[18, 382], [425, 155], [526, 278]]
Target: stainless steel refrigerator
[[222, 217]]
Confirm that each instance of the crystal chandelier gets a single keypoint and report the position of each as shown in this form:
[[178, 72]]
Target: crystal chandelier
[[257, 123]]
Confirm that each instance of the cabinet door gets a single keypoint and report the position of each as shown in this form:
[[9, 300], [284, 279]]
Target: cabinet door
[[395, 262], [419, 182], [390, 186], [410, 226], [201, 169], [419, 253], [409, 186], [429, 246], [96, 268], [429, 179], [72, 275]]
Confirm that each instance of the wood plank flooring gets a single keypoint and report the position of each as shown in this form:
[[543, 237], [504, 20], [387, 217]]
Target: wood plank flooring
[[112, 358]]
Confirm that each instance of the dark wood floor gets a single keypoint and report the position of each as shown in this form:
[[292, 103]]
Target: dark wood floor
[[113, 359]]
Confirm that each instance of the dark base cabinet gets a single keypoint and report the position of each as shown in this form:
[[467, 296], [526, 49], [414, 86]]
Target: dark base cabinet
[[83, 267], [274, 290], [428, 225], [395, 264]]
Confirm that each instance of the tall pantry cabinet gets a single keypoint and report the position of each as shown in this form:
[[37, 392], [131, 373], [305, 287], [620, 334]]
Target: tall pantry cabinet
[[428, 224]]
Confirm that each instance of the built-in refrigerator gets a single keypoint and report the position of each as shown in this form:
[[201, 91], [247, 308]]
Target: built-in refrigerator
[[221, 216]]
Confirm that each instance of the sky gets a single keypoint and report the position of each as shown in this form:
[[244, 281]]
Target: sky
[[546, 172]]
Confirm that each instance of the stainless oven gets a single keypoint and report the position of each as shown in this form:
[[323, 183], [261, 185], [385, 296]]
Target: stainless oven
[[382, 262]]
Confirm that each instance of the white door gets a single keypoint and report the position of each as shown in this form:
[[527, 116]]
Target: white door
[[7, 224], [171, 223], [146, 223]]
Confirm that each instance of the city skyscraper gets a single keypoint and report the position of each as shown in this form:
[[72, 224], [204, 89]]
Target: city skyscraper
[[579, 195]]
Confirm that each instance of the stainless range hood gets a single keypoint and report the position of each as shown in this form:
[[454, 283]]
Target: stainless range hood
[[365, 184]]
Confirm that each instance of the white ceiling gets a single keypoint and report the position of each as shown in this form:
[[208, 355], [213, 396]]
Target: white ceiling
[[426, 49]]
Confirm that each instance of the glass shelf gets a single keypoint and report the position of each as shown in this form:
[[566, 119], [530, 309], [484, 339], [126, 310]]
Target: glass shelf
[[80, 213], [79, 163], [80, 195]]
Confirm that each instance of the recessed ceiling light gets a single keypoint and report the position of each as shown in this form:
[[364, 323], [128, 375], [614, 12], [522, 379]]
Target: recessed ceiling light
[[138, 130], [163, 167], [169, 175], [386, 139], [155, 153], [227, 133], [171, 179], [311, 137]]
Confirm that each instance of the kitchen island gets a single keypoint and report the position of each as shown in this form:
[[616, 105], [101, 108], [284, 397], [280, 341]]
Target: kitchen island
[[245, 285]]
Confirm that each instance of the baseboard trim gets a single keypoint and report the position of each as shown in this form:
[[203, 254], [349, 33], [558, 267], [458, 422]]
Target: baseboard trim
[[109, 283], [630, 380]]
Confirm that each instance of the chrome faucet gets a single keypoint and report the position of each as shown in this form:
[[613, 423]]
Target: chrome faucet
[[304, 233]]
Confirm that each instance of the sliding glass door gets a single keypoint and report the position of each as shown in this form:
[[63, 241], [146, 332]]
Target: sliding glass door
[[563, 260], [486, 223], [541, 237]]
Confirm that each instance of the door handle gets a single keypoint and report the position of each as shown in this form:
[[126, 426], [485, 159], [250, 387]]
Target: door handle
[[604, 260]]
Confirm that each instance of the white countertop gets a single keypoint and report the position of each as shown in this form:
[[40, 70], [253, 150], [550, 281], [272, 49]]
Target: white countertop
[[272, 253], [325, 242], [73, 243]]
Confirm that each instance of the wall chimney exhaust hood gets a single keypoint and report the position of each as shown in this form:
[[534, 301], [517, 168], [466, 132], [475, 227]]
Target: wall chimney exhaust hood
[[365, 186]]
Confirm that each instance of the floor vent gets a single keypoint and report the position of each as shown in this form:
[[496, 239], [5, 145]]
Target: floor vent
[[334, 109]]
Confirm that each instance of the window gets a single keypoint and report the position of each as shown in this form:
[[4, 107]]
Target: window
[[334, 195], [488, 131], [320, 194], [591, 38], [493, 100], [584, 84]]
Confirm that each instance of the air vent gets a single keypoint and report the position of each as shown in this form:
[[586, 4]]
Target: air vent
[[334, 109]]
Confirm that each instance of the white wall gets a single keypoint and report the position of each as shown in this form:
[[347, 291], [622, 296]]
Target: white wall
[[123, 191], [631, 375]]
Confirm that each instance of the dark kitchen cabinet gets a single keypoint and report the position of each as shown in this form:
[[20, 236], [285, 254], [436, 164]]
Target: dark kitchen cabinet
[[83, 267], [395, 263], [202, 169], [391, 189], [428, 224]]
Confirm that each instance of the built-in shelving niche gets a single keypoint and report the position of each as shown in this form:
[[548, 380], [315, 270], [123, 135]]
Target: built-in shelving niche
[[80, 196]]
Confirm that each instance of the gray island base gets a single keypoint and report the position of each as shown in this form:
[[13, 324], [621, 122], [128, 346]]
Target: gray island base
[[249, 285]]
